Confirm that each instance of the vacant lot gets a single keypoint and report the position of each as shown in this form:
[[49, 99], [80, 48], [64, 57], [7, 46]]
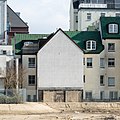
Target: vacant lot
[[60, 111]]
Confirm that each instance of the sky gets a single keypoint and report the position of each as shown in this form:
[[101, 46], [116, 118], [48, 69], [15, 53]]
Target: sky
[[43, 16]]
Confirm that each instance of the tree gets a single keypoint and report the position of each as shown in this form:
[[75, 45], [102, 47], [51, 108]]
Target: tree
[[14, 80]]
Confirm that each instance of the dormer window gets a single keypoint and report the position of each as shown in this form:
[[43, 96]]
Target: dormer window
[[91, 45], [113, 28]]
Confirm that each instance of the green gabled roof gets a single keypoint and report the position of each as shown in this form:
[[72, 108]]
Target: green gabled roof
[[20, 37], [104, 27], [80, 39]]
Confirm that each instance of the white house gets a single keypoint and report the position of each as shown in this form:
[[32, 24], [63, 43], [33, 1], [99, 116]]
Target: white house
[[85, 13], [60, 65]]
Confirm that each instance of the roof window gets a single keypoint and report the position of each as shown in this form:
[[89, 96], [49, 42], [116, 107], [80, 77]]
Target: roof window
[[113, 28], [91, 45]]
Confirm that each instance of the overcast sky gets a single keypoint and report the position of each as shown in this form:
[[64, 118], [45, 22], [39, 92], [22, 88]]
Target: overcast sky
[[43, 16]]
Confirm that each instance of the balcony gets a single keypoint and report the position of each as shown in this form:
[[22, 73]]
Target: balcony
[[105, 5], [86, 5]]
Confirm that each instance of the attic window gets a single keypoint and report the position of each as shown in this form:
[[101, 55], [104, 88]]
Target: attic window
[[113, 28], [91, 45]]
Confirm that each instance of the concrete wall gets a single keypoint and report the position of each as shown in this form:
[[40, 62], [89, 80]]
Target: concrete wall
[[62, 96], [73, 96], [60, 63]]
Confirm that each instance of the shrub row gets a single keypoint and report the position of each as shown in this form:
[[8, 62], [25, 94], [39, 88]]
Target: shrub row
[[10, 100]]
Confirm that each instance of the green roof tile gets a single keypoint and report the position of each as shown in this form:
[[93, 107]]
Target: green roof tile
[[20, 37], [80, 39]]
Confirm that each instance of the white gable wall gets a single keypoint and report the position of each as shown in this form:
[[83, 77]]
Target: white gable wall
[[60, 63]]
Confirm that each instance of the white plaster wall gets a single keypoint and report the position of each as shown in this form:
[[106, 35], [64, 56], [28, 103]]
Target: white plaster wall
[[113, 71], [29, 71], [8, 49], [92, 81], [60, 63], [30, 90], [83, 23]]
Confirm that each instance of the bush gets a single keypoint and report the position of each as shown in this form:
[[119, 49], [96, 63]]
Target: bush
[[10, 100]]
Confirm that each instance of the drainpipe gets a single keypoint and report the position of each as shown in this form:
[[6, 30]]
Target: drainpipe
[[17, 75], [36, 81]]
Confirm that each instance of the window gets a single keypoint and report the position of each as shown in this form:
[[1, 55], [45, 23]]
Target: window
[[111, 62], [83, 61], [76, 19], [4, 52], [94, 1], [31, 79], [101, 1], [113, 95], [111, 81], [89, 62], [31, 62], [34, 98], [91, 45], [113, 28], [88, 16], [102, 94], [111, 47], [88, 95], [29, 98], [102, 14], [102, 62], [101, 80], [84, 78], [87, 1], [117, 14]]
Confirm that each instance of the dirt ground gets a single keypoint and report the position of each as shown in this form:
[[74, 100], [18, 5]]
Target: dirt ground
[[60, 111]]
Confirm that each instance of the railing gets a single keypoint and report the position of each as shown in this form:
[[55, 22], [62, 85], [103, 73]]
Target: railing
[[92, 5]]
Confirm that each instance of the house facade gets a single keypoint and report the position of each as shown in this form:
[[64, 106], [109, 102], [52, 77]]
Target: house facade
[[63, 64], [53, 64], [59, 69]]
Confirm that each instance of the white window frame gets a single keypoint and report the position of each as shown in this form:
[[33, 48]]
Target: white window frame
[[111, 47], [31, 62], [111, 81], [76, 17], [89, 16], [88, 95], [102, 63], [113, 95], [102, 14], [101, 80], [31, 80], [91, 45], [113, 28], [111, 62], [89, 62]]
